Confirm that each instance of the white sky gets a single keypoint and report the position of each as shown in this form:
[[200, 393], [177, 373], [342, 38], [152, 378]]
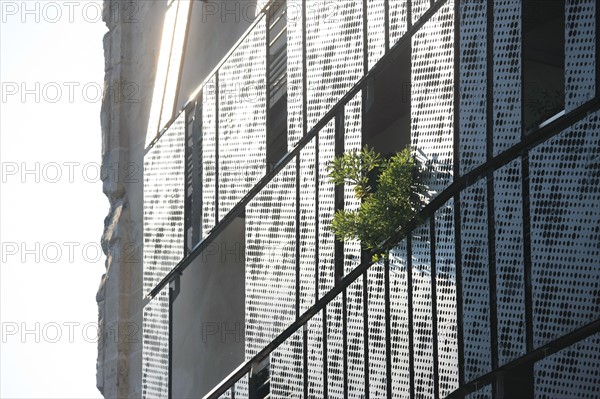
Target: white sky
[[52, 296]]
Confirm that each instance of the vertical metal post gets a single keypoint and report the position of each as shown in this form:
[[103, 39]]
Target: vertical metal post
[[388, 327], [409, 289], [434, 321], [457, 204]]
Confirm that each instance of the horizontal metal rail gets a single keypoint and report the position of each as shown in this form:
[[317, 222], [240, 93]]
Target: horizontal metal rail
[[534, 139]]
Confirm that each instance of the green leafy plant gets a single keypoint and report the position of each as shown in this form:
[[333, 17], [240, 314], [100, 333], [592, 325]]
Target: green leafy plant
[[390, 191]]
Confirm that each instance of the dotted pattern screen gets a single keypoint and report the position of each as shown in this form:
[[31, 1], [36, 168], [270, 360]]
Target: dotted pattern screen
[[482, 230]]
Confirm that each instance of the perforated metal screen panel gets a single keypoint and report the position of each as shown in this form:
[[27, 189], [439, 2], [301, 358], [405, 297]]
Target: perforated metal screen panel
[[482, 393], [418, 8], [163, 204], [400, 328], [354, 301], [242, 119], [332, 69], [581, 52], [422, 312], [335, 349], [376, 31], [570, 373], [209, 155], [376, 331], [507, 74], [294, 70], [445, 286], [308, 221], [163, 249], [473, 83], [315, 357], [565, 216], [352, 142], [398, 19], [562, 216], [475, 281], [510, 263], [155, 353], [270, 260], [432, 95], [326, 206], [325, 258], [287, 377]]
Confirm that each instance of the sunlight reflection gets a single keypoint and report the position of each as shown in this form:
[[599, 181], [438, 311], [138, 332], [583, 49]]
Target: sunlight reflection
[[167, 72]]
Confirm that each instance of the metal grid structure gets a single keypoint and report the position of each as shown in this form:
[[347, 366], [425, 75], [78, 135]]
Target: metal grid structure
[[452, 305]]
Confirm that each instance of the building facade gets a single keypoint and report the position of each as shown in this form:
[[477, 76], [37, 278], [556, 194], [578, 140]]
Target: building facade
[[493, 292]]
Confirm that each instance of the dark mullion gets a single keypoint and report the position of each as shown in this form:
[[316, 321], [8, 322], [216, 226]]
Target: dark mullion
[[305, 358], [365, 287], [490, 83], [457, 205], [199, 177], [408, 14], [174, 288], [459, 293], [298, 282], [526, 219], [325, 373], [304, 131], [170, 350], [365, 21], [316, 217], [409, 294], [434, 323], [345, 340], [317, 261], [304, 73], [187, 181], [386, 16], [298, 167], [527, 266], [217, 110], [366, 331], [491, 225], [267, 88], [191, 150], [340, 134], [388, 327], [597, 52], [456, 94], [339, 195], [493, 316]]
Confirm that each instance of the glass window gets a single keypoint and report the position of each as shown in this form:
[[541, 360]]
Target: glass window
[[277, 83], [543, 60]]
